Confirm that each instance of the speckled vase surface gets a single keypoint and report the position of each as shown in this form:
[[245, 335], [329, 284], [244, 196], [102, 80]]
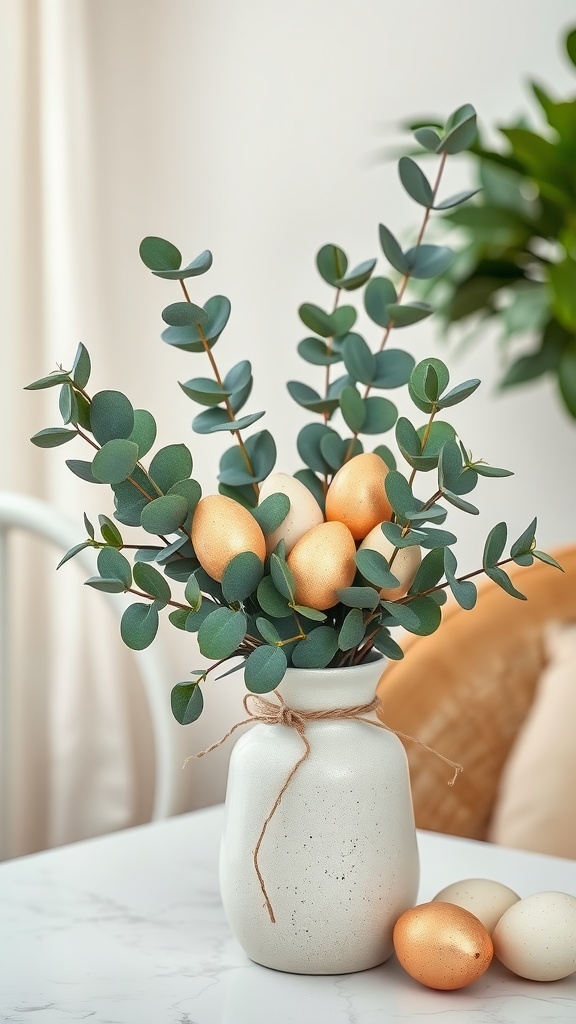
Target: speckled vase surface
[[339, 859]]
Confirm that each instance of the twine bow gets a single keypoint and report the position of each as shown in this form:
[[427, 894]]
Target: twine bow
[[261, 710]]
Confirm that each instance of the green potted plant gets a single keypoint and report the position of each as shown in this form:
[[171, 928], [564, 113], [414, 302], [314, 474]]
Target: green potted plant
[[300, 580], [517, 264]]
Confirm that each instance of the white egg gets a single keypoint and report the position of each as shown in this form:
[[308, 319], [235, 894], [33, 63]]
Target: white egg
[[483, 897], [305, 512], [536, 937], [404, 566]]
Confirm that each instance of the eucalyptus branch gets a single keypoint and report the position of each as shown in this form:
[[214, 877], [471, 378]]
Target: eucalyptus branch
[[442, 586], [403, 284], [424, 441], [405, 529], [219, 381]]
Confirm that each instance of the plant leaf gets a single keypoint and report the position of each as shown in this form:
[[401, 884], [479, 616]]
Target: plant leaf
[[187, 702], [265, 669]]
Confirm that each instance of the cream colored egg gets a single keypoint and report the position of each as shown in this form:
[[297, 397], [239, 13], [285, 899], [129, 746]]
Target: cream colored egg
[[404, 566], [322, 562], [442, 946], [221, 529], [536, 937], [356, 496], [305, 512], [483, 897]]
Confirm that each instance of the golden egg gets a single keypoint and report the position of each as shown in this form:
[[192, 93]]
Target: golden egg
[[221, 528], [304, 514], [404, 566], [356, 496], [442, 946], [322, 562]]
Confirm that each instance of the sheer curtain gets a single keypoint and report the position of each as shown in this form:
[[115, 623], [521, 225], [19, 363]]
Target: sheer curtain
[[255, 130]]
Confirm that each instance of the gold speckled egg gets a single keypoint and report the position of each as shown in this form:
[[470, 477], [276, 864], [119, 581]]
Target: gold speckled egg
[[322, 562], [404, 566], [221, 529], [442, 946], [356, 496]]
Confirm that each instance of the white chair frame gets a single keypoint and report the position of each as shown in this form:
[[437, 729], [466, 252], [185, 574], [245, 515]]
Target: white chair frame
[[19, 512]]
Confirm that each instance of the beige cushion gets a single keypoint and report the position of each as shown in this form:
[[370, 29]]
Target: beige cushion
[[535, 808]]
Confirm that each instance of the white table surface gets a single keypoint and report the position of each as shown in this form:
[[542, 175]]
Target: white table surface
[[128, 929]]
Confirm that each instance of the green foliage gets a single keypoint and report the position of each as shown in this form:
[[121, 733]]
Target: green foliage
[[253, 615], [517, 269]]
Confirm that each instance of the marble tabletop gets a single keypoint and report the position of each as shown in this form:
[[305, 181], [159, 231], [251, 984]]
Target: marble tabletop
[[129, 929]]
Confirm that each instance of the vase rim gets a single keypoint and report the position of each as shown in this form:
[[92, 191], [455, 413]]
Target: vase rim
[[316, 689]]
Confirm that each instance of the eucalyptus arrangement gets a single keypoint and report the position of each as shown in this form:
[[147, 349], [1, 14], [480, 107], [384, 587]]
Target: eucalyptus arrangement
[[517, 266], [310, 570]]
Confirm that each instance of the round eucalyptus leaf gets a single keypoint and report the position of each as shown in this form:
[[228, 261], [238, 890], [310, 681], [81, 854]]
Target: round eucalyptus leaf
[[81, 367], [316, 319], [221, 633], [111, 416], [386, 455], [164, 515], [392, 250], [495, 544], [106, 586], [148, 579], [110, 532], [343, 320], [83, 470], [380, 293], [238, 376], [357, 277], [358, 359], [198, 266], [460, 138], [242, 576], [187, 338], [318, 648], [144, 431], [407, 313], [139, 625], [427, 138], [308, 398], [352, 630], [187, 702], [415, 182], [265, 669], [419, 374], [270, 600], [427, 261], [185, 314], [393, 368], [308, 445], [315, 351], [374, 568], [428, 614], [53, 437], [332, 263], [380, 415], [400, 495], [159, 254], [205, 391], [170, 465], [113, 565], [358, 597], [353, 408], [115, 461], [272, 511], [384, 643]]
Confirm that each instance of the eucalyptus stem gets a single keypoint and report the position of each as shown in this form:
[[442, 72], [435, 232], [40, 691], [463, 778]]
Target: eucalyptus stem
[[403, 285], [326, 415], [219, 381], [442, 586]]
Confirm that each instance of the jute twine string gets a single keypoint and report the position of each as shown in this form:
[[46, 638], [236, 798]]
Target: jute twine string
[[259, 709]]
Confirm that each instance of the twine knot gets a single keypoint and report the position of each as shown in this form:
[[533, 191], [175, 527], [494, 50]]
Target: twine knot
[[267, 712]]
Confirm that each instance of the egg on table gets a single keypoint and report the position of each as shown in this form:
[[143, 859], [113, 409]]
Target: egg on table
[[536, 937], [322, 562], [221, 529], [357, 497], [304, 513], [405, 564], [483, 897], [442, 946]]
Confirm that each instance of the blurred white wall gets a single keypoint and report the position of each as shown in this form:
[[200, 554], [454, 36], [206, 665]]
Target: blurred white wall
[[256, 130]]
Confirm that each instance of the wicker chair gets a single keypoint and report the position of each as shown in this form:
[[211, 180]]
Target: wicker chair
[[466, 690]]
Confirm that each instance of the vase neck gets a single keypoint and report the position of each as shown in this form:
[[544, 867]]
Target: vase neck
[[305, 689]]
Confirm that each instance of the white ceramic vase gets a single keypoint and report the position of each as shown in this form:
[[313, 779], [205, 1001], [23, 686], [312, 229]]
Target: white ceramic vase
[[339, 859]]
